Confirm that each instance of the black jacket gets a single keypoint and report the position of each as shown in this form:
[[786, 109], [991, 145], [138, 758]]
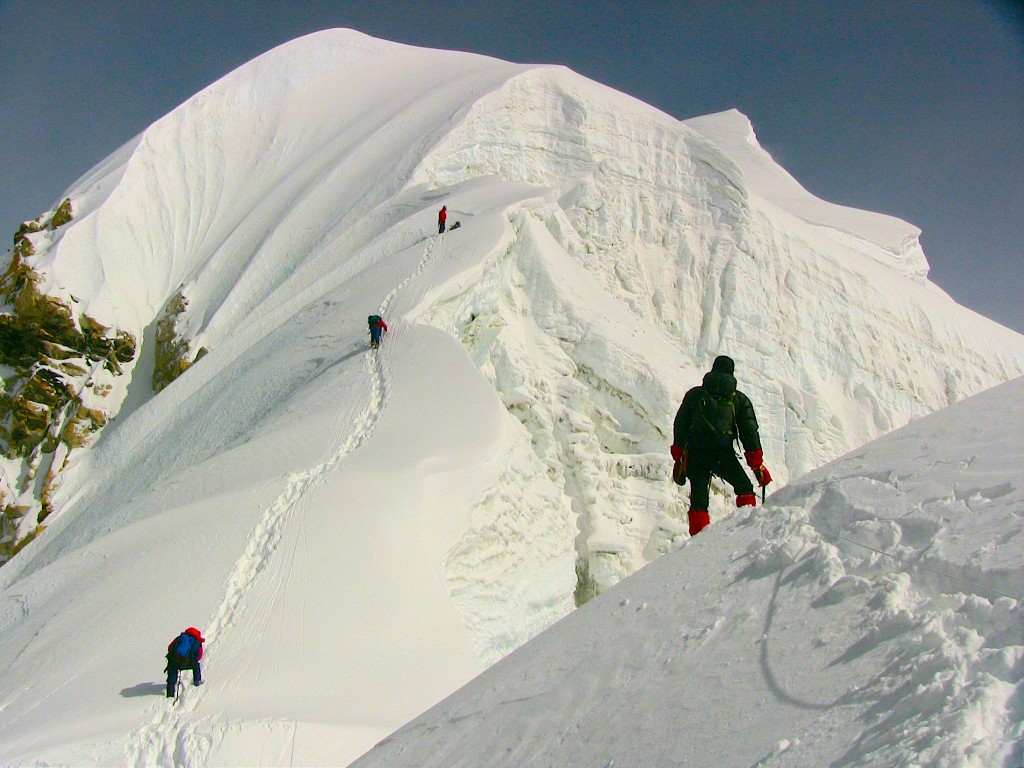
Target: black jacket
[[689, 430]]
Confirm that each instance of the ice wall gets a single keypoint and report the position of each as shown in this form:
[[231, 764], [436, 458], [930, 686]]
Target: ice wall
[[651, 247]]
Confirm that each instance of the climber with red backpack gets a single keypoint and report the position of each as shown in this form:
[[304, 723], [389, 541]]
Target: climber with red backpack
[[709, 419]]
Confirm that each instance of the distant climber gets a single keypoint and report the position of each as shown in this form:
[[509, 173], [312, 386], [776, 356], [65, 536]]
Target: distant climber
[[442, 217], [184, 652], [377, 329], [710, 417]]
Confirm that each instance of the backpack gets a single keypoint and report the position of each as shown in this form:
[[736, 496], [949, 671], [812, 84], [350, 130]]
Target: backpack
[[716, 416], [184, 648], [374, 320]]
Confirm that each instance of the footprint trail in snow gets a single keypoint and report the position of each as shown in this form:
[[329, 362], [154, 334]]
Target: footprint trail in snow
[[175, 736]]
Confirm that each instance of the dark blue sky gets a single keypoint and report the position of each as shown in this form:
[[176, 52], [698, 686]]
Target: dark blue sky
[[914, 108]]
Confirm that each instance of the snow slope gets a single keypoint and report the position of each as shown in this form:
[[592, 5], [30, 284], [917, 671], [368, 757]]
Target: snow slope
[[358, 534], [869, 615]]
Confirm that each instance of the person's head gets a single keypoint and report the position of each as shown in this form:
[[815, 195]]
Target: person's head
[[196, 634], [724, 364], [444, 207]]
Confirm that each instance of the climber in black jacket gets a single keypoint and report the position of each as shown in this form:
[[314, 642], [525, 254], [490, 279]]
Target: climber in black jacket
[[710, 417]]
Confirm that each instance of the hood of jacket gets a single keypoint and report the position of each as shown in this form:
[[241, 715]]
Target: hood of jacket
[[719, 383], [196, 634]]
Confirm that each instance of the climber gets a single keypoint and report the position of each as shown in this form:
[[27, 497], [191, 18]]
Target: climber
[[710, 417], [442, 216], [377, 329], [184, 652]]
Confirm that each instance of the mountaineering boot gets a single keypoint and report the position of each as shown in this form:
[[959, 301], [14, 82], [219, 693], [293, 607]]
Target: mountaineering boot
[[746, 500], [699, 520]]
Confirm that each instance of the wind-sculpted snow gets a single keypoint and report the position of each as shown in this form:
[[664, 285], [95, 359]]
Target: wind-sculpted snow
[[886, 239], [868, 615], [360, 533]]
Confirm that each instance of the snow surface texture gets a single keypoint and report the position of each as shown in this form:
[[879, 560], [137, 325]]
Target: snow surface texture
[[869, 615], [357, 533]]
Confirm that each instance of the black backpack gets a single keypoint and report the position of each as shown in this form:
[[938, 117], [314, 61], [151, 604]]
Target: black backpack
[[716, 416], [374, 320]]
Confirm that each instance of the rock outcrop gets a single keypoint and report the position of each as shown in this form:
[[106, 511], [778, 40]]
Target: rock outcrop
[[53, 366]]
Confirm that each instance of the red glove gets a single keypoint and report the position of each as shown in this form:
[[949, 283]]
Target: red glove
[[677, 452], [755, 460]]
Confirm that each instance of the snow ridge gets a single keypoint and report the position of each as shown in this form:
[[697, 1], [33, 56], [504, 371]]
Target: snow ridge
[[884, 238], [174, 737]]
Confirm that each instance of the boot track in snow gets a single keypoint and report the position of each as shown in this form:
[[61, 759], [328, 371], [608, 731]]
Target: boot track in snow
[[174, 737]]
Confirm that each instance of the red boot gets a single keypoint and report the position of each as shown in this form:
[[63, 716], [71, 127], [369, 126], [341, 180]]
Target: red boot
[[746, 500], [699, 520]]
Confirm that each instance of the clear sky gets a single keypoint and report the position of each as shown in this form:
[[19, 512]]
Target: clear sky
[[914, 108]]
